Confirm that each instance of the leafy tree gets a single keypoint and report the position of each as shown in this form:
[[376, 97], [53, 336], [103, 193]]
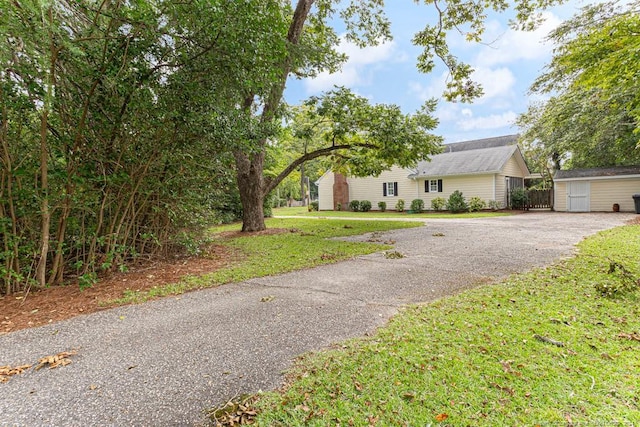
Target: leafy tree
[[111, 140], [593, 117], [307, 46], [124, 125]]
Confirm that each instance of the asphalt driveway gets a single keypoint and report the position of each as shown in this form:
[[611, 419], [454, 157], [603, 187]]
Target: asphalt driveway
[[162, 362]]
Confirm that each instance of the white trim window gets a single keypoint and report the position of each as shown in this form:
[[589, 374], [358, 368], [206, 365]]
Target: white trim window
[[433, 186], [389, 189]]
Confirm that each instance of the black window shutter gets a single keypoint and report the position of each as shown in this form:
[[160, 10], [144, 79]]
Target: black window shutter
[[426, 186], [395, 189], [439, 186], [384, 189]]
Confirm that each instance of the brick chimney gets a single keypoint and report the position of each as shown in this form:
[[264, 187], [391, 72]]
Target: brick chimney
[[340, 191]]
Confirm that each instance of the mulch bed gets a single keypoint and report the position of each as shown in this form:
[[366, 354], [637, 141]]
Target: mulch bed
[[35, 308]]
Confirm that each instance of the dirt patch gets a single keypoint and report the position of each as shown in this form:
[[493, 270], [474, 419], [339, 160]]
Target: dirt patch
[[26, 310]]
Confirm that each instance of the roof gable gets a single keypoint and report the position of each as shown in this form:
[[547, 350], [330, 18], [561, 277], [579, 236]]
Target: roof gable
[[480, 144], [470, 157]]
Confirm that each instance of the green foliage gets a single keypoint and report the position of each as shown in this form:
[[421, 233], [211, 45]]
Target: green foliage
[[438, 203], [400, 205], [456, 202], [87, 280], [354, 205], [313, 206], [476, 204], [592, 119], [481, 348], [365, 206], [626, 282], [155, 113], [382, 206], [494, 205], [519, 198], [417, 205], [365, 139], [339, 206], [129, 151]]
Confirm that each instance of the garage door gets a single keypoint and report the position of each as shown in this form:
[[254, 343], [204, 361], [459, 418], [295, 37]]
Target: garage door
[[578, 196]]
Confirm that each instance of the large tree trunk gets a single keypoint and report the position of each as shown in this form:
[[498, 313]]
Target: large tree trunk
[[250, 185], [249, 167]]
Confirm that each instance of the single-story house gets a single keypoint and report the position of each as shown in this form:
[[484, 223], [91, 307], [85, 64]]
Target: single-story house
[[597, 189], [486, 168]]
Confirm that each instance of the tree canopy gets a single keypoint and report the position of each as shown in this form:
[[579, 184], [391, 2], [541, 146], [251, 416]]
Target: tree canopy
[[593, 115], [127, 125]]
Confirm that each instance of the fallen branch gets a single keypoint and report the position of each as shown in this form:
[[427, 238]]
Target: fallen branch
[[549, 340]]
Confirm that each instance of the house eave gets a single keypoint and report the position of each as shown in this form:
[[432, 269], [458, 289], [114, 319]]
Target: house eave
[[593, 178], [415, 176]]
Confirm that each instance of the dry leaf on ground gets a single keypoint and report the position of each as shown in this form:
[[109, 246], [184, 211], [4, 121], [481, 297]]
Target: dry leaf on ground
[[60, 359], [8, 371], [632, 336]]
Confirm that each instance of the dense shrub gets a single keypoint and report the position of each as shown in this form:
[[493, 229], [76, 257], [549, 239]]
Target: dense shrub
[[400, 205], [382, 206], [494, 205], [519, 198], [354, 205], [365, 206], [438, 203], [417, 205], [456, 202], [338, 206], [313, 206], [476, 204]]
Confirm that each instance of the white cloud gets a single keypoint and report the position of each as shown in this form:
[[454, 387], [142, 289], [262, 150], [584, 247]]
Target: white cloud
[[355, 71], [422, 92], [493, 121], [448, 112], [496, 83], [509, 46]]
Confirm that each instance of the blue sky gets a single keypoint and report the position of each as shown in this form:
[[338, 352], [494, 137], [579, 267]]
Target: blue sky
[[506, 64]]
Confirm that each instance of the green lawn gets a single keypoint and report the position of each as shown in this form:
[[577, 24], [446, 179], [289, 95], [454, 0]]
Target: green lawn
[[303, 243], [303, 211], [542, 348]]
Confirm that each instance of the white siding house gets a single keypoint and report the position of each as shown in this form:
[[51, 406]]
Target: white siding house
[[596, 190], [486, 168]]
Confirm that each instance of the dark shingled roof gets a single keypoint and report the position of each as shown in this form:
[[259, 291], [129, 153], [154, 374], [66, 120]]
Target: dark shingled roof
[[469, 157], [598, 172], [479, 144]]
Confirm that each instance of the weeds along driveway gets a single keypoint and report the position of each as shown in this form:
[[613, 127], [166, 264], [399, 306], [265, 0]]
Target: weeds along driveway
[[163, 362]]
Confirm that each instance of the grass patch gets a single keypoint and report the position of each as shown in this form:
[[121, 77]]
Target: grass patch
[[541, 348], [302, 211], [304, 243]]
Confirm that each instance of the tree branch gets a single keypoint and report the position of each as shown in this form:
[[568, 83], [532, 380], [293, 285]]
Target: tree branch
[[271, 183]]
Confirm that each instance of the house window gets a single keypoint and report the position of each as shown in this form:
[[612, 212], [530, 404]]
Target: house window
[[433, 186], [389, 189]]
